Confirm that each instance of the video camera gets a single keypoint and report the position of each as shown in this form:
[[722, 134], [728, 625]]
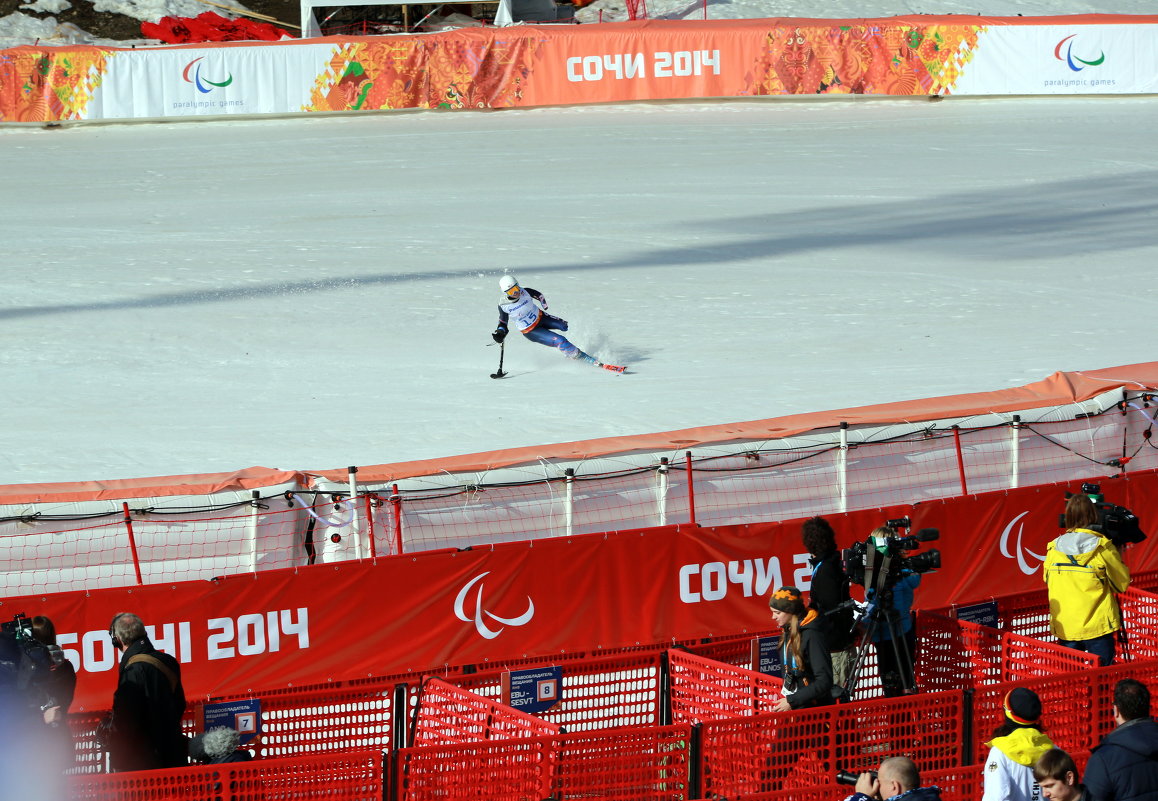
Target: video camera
[[19, 628], [1117, 523], [864, 561]]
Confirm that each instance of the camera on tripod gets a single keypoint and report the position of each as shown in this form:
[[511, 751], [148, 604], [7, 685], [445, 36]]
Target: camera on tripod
[[864, 561], [1117, 523]]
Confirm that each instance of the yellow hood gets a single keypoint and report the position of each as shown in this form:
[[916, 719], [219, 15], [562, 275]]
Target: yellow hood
[[1023, 746]]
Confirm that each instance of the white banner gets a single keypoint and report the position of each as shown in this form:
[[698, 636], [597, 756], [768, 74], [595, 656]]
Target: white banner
[[188, 82], [1063, 60]]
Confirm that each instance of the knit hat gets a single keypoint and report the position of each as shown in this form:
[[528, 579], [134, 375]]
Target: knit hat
[[788, 599], [1022, 706]]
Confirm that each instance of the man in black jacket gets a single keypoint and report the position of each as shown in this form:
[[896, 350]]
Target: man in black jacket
[[1125, 766], [145, 727], [829, 590]]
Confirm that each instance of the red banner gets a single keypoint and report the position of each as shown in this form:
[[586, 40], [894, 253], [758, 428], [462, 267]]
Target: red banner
[[422, 612]]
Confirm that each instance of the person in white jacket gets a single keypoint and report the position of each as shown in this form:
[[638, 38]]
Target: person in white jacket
[[1016, 745]]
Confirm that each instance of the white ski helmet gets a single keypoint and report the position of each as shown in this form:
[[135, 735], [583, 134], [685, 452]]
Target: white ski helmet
[[510, 286]]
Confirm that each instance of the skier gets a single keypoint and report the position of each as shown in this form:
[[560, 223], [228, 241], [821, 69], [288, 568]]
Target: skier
[[527, 307]]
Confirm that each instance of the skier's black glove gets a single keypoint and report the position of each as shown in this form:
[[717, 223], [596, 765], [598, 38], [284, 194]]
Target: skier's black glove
[[499, 335]]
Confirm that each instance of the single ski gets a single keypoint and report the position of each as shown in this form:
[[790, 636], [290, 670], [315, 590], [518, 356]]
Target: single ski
[[615, 368]]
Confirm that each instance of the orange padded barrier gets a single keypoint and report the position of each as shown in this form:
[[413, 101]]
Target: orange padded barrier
[[336, 777]]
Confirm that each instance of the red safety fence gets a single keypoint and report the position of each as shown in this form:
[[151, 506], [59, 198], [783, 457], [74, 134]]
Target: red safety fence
[[450, 715], [1027, 615], [336, 777], [1075, 706], [617, 691], [958, 654], [803, 749], [647, 763], [956, 784], [702, 689]]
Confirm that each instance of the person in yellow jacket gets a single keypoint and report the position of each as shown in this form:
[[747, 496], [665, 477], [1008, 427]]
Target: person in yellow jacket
[[1016, 745], [1083, 574]]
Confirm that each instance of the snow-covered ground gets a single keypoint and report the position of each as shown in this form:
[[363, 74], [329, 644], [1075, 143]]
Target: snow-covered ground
[[316, 293]]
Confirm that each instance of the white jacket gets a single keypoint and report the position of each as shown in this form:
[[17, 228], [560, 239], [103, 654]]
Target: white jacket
[[1011, 779]]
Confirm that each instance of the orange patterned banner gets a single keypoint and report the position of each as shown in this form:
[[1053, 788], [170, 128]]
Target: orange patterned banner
[[528, 65]]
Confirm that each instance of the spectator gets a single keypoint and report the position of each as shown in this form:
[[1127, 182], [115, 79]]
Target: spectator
[[896, 777], [807, 665], [1125, 766], [1016, 746], [143, 731], [1083, 573], [219, 744], [829, 596], [1057, 776]]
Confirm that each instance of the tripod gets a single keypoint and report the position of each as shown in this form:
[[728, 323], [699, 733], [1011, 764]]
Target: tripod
[[881, 612]]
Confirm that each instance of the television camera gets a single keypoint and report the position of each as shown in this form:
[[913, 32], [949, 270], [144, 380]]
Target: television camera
[[19, 628], [879, 562], [1117, 523]]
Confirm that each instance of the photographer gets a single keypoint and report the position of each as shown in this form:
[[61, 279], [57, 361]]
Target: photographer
[[829, 596], [807, 665], [1083, 574], [896, 778]]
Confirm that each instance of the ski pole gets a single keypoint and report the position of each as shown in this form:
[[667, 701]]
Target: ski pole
[[502, 353]]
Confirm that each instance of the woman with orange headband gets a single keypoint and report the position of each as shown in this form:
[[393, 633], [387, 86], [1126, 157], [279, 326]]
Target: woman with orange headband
[[1016, 745], [803, 653]]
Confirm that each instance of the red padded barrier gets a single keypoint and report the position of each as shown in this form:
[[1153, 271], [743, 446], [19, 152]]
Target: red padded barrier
[[449, 715], [703, 689], [336, 777]]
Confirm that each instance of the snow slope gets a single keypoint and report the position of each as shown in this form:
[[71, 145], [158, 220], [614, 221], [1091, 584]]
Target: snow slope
[[316, 293]]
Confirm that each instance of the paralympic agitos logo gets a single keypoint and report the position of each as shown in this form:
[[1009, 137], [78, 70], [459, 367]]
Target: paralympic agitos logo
[[192, 74], [1027, 561], [1064, 51], [482, 617]]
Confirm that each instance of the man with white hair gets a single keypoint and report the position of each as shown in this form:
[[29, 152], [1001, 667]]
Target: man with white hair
[[143, 731]]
